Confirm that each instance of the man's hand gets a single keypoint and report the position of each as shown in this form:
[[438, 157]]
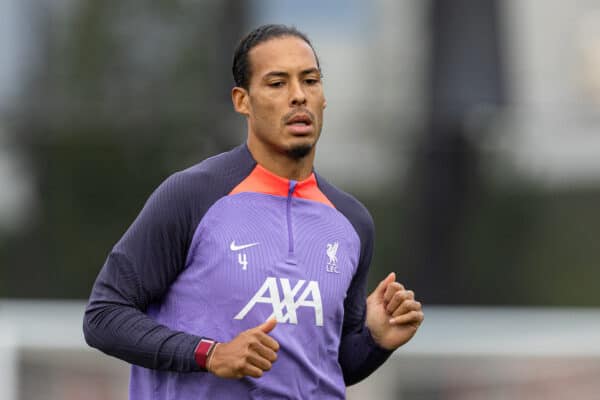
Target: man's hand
[[249, 354], [393, 315]]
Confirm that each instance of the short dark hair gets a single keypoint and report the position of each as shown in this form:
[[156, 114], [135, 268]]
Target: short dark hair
[[241, 65]]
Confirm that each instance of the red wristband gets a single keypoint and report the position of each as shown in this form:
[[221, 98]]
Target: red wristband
[[203, 351]]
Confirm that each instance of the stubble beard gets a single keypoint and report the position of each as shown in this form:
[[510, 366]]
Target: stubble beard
[[299, 152]]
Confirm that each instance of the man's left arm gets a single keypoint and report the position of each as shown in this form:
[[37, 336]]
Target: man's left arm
[[374, 328]]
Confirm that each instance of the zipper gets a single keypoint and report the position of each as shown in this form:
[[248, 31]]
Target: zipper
[[288, 213]]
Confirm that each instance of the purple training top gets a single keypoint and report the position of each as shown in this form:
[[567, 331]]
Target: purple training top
[[218, 249]]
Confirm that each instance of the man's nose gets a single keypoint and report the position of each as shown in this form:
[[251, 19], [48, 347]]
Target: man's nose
[[297, 95]]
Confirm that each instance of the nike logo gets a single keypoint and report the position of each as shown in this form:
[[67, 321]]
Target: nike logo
[[233, 246]]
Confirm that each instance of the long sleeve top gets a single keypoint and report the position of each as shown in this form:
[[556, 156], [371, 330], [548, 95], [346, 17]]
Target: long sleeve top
[[221, 247]]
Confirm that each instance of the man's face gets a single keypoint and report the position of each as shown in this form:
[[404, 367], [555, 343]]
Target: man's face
[[285, 102]]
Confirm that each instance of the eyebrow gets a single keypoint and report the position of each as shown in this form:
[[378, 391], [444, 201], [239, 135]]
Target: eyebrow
[[285, 74]]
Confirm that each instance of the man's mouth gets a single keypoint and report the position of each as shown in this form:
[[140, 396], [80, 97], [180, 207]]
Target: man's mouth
[[300, 120]]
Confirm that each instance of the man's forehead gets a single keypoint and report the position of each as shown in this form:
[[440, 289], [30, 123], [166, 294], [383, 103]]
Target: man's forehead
[[282, 54]]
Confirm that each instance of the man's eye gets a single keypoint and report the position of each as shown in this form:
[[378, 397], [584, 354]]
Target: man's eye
[[311, 81], [276, 84]]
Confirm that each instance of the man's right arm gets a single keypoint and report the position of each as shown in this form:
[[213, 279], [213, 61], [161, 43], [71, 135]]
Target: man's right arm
[[138, 272]]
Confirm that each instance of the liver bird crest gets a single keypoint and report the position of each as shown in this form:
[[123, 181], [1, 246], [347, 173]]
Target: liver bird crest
[[332, 252]]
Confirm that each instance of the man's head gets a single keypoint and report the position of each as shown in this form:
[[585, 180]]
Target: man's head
[[241, 66], [279, 90]]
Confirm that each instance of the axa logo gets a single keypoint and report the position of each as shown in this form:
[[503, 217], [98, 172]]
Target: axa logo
[[286, 302]]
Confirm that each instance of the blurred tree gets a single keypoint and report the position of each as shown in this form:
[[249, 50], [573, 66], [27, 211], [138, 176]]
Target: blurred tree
[[456, 231], [123, 94], [466, 75]]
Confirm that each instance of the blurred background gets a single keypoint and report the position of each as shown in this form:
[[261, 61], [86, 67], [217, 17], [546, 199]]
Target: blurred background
[[469, 128]]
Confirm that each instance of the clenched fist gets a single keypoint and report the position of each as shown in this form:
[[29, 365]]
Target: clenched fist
[[250, 353], [393, 314]]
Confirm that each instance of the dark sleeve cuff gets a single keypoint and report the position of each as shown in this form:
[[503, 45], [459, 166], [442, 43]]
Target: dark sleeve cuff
[[377, 352], [360, 355]]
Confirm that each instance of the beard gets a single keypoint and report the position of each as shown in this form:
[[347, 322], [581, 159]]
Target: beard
[[299, 152]]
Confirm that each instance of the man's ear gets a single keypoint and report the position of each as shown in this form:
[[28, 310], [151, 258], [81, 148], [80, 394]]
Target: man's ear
[[240, 99]]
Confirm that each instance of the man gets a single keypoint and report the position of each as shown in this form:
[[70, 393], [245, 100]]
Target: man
[[249, 265]]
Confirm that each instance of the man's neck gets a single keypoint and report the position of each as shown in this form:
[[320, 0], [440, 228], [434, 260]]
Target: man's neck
[[282, 164]]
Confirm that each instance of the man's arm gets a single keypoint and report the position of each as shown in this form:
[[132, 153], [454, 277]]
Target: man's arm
[[359, 354], [374, 328], [138, 272]]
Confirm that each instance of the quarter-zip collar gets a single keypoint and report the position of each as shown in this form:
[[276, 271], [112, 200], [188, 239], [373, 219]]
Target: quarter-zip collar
[[288, 213], [260, 180]]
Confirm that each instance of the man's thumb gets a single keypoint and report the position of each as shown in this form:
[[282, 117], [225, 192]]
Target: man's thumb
[[268, 325]]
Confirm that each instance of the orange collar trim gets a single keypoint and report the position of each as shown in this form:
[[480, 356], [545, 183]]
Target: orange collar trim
[[261, 180]]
